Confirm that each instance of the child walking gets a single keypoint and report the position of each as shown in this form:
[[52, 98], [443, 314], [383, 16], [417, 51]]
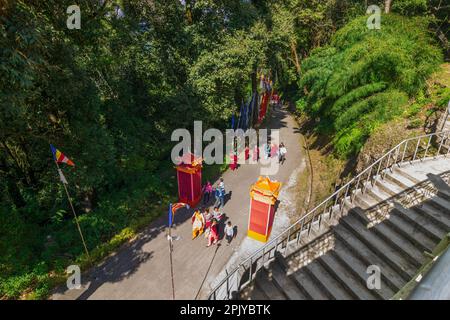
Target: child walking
[[229, 232]]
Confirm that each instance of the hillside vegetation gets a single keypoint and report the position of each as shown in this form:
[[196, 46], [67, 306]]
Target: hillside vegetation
[[365, 78]]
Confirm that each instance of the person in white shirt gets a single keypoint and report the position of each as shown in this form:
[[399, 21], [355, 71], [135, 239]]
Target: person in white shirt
[[229, 232], [282, 153]]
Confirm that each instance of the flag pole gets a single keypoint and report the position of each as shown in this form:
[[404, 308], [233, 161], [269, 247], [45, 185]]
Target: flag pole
[[74, 213], [171, 264]]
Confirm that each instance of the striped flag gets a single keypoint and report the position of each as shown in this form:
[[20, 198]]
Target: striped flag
[[173, 208], [60, 157]]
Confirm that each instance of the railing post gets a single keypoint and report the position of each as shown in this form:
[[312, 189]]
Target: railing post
[[352, 197], [287, 241], [428, 146], [404, 150], [346, 191], [441, 143], [367, 181], [397, 151], [310, 223], [238, 289], [299, 237], [417, 148], [378, 171], [264, 254], [250, 271], [228, 287], [387, 165]]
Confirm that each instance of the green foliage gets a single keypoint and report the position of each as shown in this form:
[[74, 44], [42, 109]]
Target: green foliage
[[365, 77], [410, 7], [415, 123]]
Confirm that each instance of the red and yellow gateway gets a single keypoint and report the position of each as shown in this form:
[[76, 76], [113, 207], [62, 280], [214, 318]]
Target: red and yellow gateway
[[189, 176], [263, 196]]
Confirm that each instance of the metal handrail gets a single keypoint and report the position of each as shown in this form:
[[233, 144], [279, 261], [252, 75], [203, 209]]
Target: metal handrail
[[345, 193]]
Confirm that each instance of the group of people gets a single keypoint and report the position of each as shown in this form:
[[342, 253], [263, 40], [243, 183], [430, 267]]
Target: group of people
[[204, 221], [219, 193], [271, 150]]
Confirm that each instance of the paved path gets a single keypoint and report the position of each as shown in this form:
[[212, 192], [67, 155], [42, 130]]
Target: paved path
[[141, 270]]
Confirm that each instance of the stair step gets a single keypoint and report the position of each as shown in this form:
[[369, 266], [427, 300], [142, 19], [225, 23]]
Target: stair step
[[254, 293], [401, 245], [422, 223], [391, 256], [427, 223], [345, 278], [389, 275], [408, 176], [439, 217], [361, 200], [399, 180], [388, 187], [358, 268], [327, 282], [411, 232], [285, 283], [440, 204], [377, 194], [307, 285], [264, 283], [436, 201], [416, 236], [445, 194]]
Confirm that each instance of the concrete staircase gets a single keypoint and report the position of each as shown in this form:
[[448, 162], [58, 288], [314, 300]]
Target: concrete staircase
[[392, 225]]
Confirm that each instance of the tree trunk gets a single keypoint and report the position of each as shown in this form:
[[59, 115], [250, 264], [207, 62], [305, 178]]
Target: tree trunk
[[295, 55], [254, 90], [387, 6]]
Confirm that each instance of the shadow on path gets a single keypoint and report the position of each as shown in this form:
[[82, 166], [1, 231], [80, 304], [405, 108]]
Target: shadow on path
[[207, 271]]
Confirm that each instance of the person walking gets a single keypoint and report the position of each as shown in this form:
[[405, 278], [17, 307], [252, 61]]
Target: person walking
[[198, 224], [282, 152], [267, 151], [273, 150], [229, 232], [216, 214], [213, 233], [255, 154], [208, 220], [222, 185], [220, 196], [207, 190]]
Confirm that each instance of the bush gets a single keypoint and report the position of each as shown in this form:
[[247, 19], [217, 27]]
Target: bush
[[365, 77]]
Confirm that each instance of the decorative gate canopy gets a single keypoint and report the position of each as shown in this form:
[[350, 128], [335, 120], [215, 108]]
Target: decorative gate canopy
[[189, 177], [263, 197]]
